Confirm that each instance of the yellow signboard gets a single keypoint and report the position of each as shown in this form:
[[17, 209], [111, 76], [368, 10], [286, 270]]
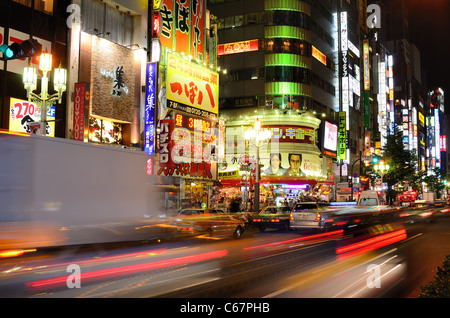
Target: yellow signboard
[[192, 88], [25, 116]]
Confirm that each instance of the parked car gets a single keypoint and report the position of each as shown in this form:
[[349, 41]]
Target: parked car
[[309, 215], [211, 222], [273, 217]]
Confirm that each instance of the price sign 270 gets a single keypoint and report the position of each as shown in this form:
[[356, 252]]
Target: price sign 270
[[23, 109]]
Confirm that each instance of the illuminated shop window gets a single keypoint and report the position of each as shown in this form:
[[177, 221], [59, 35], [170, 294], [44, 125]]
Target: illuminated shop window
[[288, 45], [288, 102], [45, 6], [104, 131]]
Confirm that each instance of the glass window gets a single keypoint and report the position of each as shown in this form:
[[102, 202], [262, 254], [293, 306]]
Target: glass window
[[289, 18], [288, 74], [220, 23], [229, 22], [251, 18], [239, 20], [305, 207], [45, 6], [284, 45], [24, 2]]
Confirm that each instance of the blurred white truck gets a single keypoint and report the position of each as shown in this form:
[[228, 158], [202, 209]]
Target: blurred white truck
[[62, 192]]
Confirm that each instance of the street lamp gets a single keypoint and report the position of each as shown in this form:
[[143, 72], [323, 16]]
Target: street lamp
[[382, 169], [43, 99], [259, 136]]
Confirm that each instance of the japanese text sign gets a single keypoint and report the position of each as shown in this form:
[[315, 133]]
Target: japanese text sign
[[192, 86]]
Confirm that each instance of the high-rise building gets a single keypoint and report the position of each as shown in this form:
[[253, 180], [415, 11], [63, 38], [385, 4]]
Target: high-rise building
[[282, 60], [410, 82]]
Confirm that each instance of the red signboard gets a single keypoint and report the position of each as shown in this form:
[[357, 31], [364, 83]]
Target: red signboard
[[198, 11], [182, 25], [156, 24], [175, 154], [192, 123], [78, 111], [237, 47], [291, 133]]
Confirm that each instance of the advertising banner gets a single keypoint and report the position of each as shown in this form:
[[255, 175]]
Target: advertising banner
[[366, 65], [167, 34], [25, 116], [192, 88], [184, 148], [78, 111], [294, 164], [291, 133], [238, 47], [150, 109], [182, 25], [198, 20], [342, 149], [330, 137]]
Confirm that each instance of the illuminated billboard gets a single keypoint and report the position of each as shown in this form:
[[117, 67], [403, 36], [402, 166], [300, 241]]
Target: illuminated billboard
[[25, 116], [330, 137], [185, 146], [292, 164], [150, 106], [192, 88], [183, 25], [237, 47]]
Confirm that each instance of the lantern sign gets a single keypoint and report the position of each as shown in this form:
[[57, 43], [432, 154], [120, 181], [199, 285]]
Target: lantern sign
[[156, 29]]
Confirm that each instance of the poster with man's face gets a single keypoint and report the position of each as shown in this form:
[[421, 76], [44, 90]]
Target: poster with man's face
[[292, 165]]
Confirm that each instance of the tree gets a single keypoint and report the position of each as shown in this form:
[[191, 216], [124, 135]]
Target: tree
[[434, 182], [402, 165], [440, 287]]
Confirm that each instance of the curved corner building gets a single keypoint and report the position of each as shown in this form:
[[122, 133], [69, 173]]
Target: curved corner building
[[287, 54]]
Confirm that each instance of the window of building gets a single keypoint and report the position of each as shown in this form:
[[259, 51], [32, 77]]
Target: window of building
[[45, 6], [296, 102], [289, 18], [285, 45]]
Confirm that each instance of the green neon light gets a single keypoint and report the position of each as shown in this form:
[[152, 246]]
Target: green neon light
[[284, 31], [288, 5], [288, 88], [284, 59]]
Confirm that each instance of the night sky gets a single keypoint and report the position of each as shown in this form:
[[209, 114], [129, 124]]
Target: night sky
[[430, 31]]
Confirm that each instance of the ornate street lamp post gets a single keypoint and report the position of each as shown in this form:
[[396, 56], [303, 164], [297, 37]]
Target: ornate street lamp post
[[259, 136], [382, 169], [43, 99]]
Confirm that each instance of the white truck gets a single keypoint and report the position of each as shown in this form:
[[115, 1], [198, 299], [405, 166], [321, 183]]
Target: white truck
[[56, 192], [368, 198]]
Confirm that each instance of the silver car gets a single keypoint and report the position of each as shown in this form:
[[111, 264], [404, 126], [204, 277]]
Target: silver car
[[308, 215]]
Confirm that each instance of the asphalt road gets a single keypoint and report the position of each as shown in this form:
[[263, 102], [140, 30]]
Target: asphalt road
[[273, 264]]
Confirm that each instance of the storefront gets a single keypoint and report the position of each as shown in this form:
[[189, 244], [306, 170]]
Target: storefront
[[292, 166], [188, 132], [106, 100]]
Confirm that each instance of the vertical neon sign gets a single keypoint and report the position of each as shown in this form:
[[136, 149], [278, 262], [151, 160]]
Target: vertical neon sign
[[150, 106]]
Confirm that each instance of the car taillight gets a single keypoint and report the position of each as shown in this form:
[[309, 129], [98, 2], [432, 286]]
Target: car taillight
[[291, 217], [256, 220], [317, 217]]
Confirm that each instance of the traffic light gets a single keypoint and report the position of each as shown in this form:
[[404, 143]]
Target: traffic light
[[27, 48], [375, 159]]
